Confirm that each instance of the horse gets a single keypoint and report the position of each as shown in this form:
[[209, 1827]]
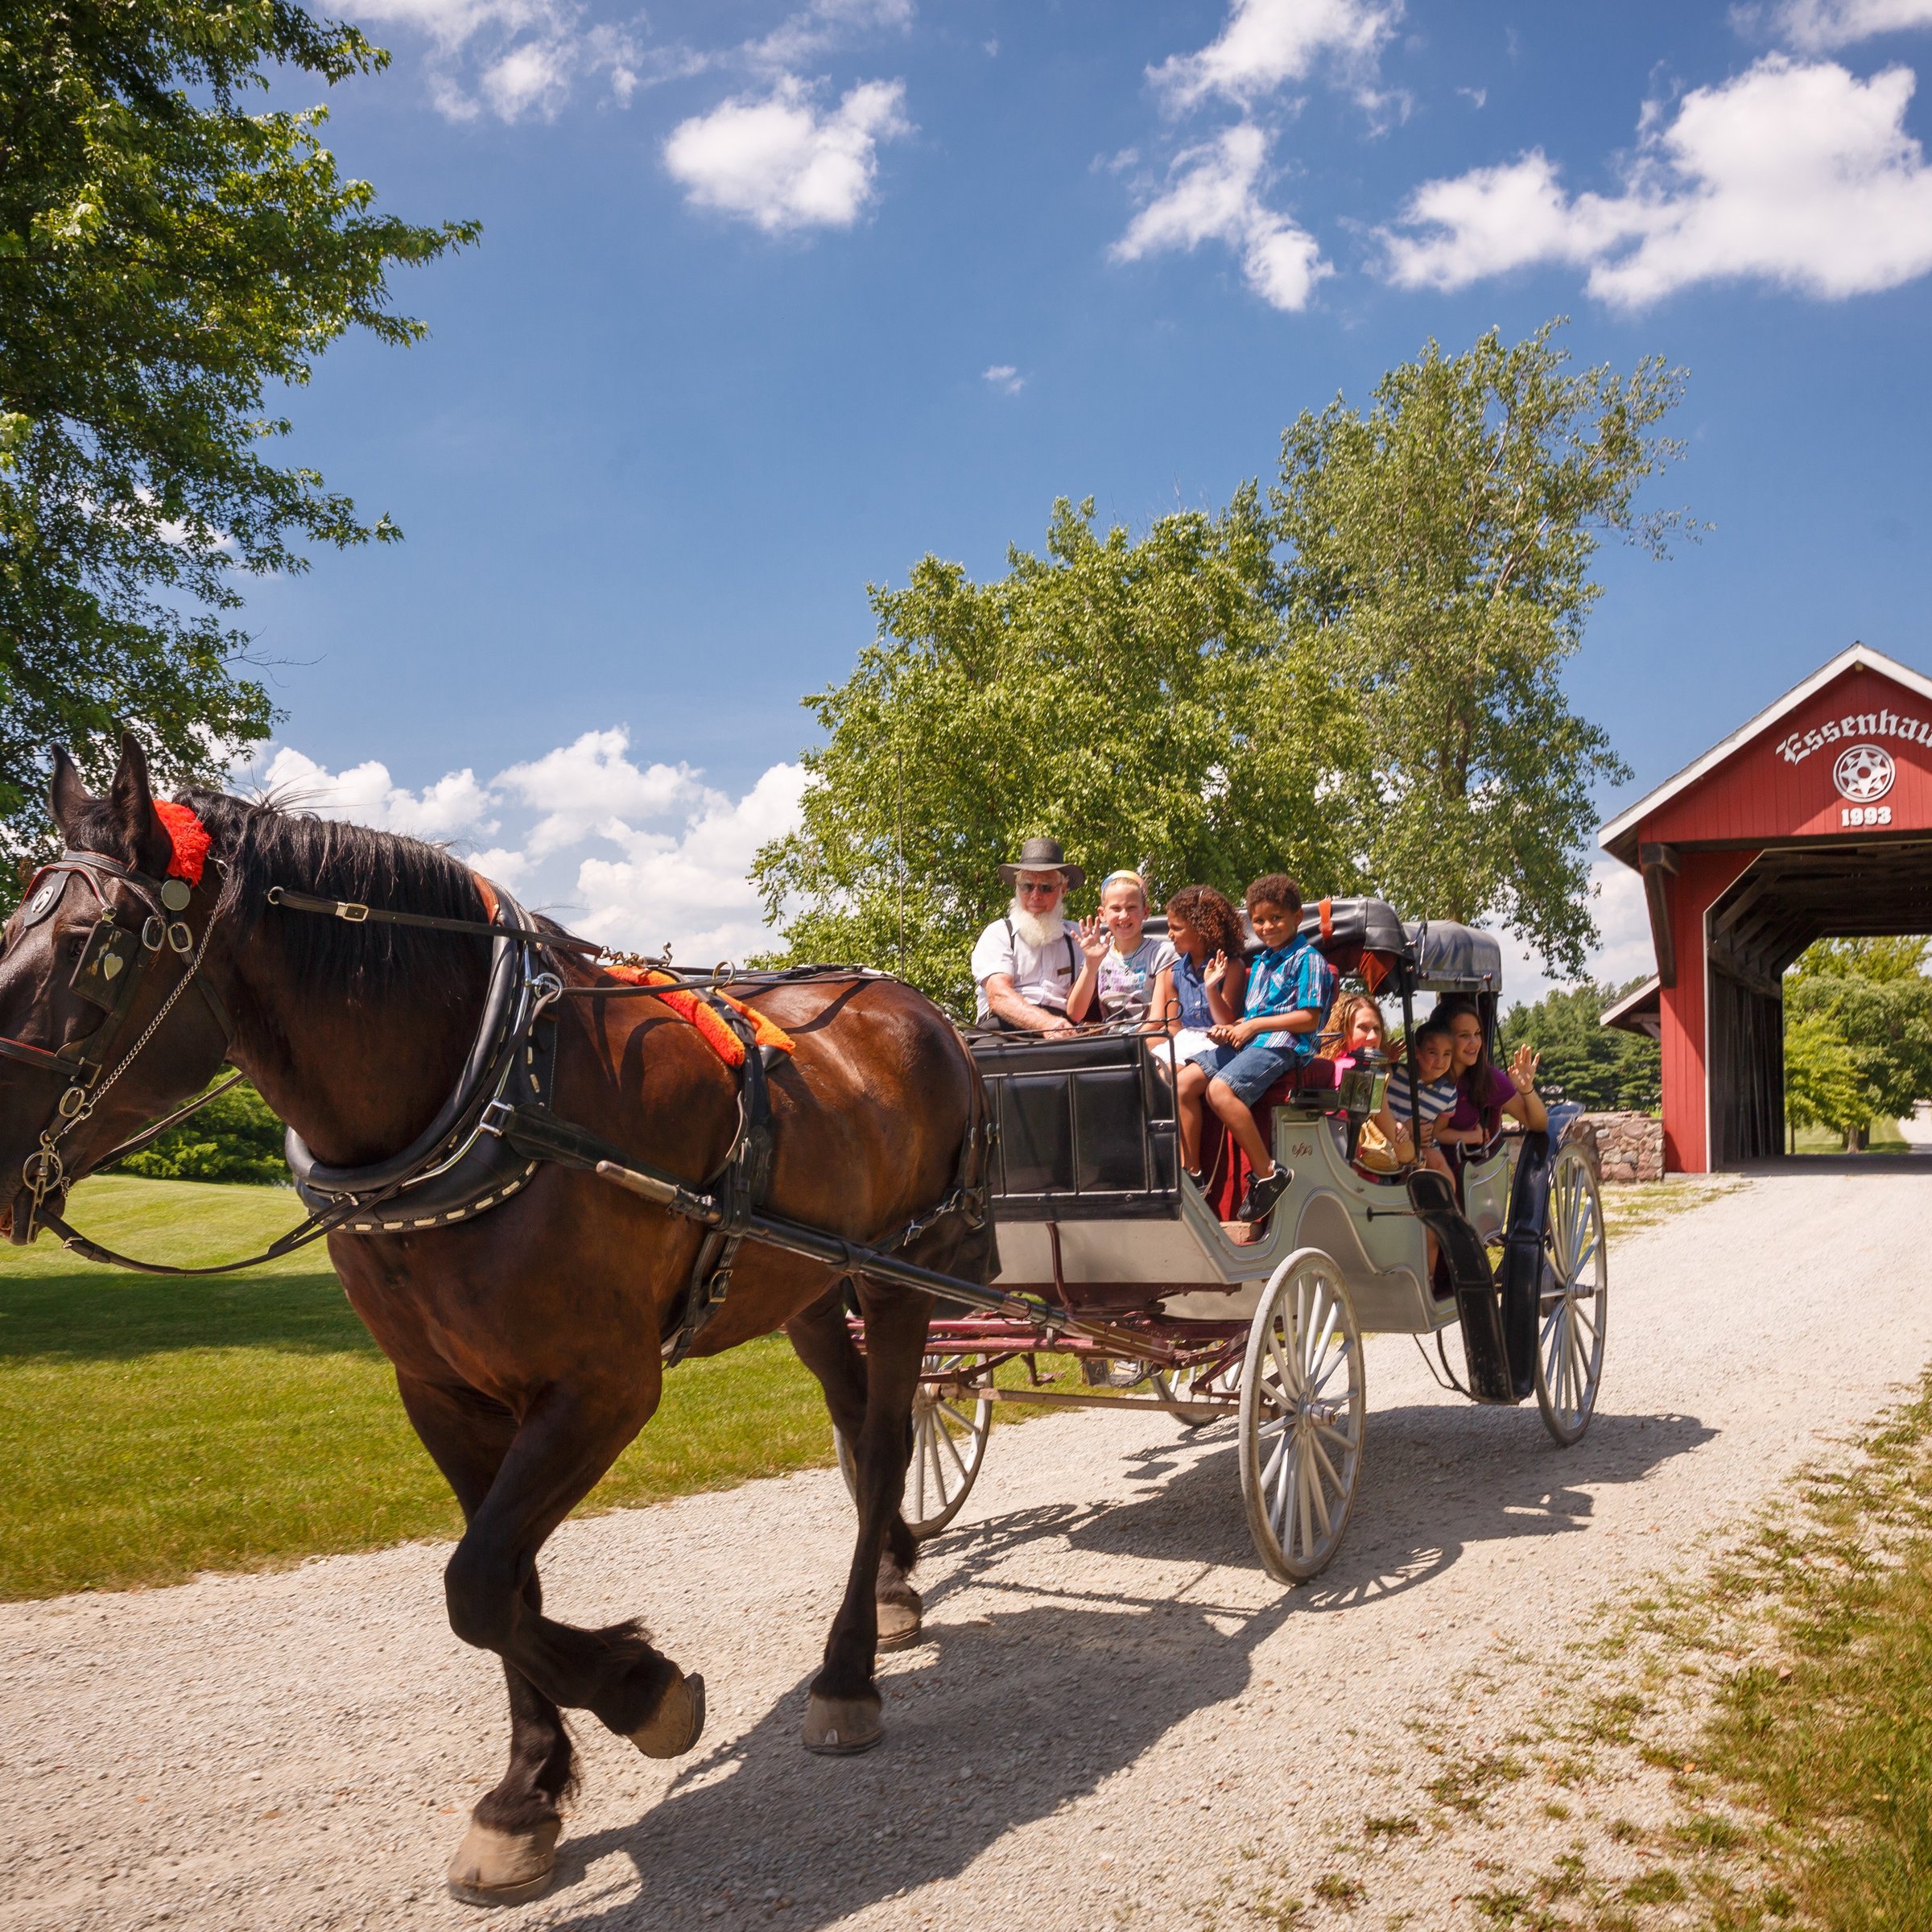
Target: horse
[[528, 1339]]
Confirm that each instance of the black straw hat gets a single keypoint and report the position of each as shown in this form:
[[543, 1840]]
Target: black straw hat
[[1044, 855]]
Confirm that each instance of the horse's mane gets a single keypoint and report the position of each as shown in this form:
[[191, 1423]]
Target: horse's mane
[[263, 844]]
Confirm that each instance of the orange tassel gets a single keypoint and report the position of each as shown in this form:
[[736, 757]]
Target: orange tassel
[[717, 1036]]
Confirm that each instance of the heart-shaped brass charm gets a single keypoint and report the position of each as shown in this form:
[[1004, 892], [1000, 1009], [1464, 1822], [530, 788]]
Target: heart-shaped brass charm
[[111, 964]]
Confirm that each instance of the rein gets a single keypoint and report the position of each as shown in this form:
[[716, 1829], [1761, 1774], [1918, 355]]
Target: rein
[[729, 1207]]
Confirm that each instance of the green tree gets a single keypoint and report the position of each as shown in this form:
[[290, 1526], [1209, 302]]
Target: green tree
[[1870, 999], [1133, 699], [167, 259], [1600, 1068], [1823, 1087], [234, 1138], [1439, 571]]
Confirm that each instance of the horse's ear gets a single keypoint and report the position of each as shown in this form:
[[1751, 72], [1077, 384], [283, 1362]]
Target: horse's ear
[[148, 847], [66, 796]]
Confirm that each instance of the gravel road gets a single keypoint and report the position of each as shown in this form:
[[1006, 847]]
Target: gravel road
[[1116, 1711]]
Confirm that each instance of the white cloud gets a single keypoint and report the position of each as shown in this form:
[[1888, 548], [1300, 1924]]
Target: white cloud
[[692, 888], [455, 806], [1006, 379], [1267, 44], [676, 851], [824, 24], [782, 163], [1797, 173], [1816, 25], [1214, 195], [517, 58], [589, 784]]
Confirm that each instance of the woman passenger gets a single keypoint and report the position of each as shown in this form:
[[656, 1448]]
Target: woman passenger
[[1205, 985], [1356, 1029], [1485, 1093]]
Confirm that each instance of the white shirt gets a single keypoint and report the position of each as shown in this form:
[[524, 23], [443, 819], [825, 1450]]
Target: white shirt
[[1041, 977]]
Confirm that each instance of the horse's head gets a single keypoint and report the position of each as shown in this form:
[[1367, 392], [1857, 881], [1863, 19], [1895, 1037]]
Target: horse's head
[[101, 943]]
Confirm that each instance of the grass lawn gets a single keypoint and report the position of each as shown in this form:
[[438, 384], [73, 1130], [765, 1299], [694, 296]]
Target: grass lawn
[[152, 1428], [1832, 1746]]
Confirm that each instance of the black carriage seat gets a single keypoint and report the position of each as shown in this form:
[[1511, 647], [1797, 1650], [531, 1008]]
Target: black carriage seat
[[1086, 1127]]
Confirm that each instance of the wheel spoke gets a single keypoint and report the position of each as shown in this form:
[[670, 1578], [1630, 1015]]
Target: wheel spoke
[[1339, 1358], [1312, 1476], [1310, 1356], [959, 1462], [1321, 1455], [1307, 1527], [1288, 1373]]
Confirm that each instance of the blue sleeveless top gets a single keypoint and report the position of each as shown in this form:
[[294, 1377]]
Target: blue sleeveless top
[[1191, 993]]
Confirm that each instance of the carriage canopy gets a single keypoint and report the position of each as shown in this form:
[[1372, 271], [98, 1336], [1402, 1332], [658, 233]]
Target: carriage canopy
[[1370, 937]]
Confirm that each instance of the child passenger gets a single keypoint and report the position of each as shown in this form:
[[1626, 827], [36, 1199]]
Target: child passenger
[[1206, 979], [1131, 967], [1421, 1109], [1290, 987]]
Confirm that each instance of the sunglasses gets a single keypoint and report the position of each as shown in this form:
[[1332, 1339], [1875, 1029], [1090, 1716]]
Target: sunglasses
[[1028, 885]]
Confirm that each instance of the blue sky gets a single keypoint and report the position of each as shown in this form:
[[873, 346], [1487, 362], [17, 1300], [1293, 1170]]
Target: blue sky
[[771, 301]]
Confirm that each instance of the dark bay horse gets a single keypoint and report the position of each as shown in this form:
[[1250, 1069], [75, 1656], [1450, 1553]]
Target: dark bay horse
[[526, 1340]]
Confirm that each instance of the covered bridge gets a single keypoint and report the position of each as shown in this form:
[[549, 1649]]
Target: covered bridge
[[1813, 820]]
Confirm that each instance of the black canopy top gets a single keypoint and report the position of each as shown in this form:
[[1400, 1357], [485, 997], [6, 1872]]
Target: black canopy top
[[1436, 955]]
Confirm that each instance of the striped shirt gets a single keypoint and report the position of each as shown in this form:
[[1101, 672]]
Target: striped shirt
[[1438, 1097]]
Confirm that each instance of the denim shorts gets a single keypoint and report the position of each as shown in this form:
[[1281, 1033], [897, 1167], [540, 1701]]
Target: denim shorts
[[1249, 1072]]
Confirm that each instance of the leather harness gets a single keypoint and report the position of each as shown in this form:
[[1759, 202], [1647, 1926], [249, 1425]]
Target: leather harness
[[492, 1133]]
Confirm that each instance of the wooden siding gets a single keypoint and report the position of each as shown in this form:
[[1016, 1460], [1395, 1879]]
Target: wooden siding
[[1702, 877], [1779, 785]]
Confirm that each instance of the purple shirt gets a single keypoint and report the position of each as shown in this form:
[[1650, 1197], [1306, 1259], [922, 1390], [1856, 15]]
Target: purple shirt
[[1502, 1091]]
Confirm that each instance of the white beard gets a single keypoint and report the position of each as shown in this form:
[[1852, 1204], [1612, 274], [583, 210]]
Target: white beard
[[1038, 930]]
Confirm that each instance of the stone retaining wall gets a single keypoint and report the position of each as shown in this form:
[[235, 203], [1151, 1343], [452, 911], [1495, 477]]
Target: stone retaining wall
[[1629, 1146]]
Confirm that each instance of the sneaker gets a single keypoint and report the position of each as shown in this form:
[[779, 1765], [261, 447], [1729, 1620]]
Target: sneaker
[[1262, 1194]]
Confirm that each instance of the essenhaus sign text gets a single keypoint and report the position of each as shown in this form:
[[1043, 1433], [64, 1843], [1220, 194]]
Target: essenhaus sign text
[[1856, 725]]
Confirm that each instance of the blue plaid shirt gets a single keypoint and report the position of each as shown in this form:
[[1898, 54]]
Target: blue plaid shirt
[[1293, 978]]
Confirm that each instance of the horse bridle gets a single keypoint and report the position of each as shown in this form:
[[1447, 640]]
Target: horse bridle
[[114, 964]]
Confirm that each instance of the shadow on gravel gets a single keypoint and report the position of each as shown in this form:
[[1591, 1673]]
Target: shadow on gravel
[[1435, 1480], [999, 1722], [996, 1724]]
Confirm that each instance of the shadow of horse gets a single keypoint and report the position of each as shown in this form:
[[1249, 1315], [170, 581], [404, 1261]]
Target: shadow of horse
[[989, 1730]]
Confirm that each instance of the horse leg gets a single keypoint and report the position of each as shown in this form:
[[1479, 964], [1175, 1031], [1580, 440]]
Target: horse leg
[[510, 1851], [823, 1343], [566, 1440], [842, 1715]]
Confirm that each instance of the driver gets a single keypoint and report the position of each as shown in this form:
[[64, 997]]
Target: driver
[[1036, 972]]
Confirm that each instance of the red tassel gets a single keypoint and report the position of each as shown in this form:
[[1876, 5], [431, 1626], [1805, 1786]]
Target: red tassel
[[190, 839]]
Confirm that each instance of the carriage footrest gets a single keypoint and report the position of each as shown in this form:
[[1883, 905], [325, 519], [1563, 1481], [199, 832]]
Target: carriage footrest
[[1478, 1301]]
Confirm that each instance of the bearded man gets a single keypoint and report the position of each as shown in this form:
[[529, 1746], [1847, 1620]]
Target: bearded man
[[1036, 972]]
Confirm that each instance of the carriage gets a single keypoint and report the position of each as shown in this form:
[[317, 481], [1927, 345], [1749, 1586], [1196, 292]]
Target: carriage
[[1117, 1259]]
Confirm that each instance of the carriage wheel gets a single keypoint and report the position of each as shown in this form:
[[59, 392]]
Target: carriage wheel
[[1303, 1405], [948, 1445], [1576, 1286]]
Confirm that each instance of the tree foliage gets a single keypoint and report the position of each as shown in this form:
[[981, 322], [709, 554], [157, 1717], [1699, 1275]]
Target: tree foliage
[[1440, 552], [234, 1138], [1132, 698], [1858, 1018], [167, 259], [1357, 680], [1601, 1067]]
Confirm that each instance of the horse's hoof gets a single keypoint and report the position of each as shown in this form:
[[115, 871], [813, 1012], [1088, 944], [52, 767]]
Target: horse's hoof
[[674, 1726], [899, 1623], [494, 1868], [841, 1726]]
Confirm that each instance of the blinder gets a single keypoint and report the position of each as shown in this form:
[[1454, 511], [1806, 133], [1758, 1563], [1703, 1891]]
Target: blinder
[[109, 970]]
